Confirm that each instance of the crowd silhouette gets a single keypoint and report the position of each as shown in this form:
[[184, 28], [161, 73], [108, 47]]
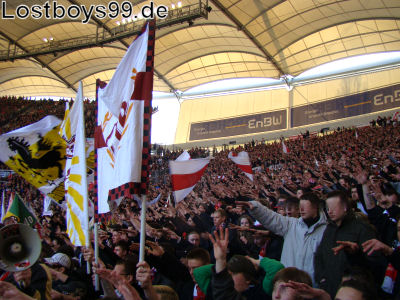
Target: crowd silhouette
[[318, 221]]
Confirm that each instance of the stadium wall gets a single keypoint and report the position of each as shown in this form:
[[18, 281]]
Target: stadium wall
[[215, 112]]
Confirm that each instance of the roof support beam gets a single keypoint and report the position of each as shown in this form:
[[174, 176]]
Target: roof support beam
[[264, 11], [101, 24], [44, 65], [249, 35]]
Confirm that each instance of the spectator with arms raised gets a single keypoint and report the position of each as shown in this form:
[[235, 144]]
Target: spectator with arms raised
[[301, 235]]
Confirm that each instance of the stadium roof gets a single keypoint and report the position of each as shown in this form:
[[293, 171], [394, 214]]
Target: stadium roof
[[236, 39]]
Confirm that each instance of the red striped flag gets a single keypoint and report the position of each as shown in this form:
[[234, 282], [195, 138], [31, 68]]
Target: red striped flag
[[242, 160], [284, 148], [185, 174], [396, 116]]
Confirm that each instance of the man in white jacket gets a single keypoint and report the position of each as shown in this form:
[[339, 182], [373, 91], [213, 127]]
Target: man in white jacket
[[301, 235]]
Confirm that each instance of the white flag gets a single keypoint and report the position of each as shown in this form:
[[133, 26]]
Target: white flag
[[121, 118], [46, 206], [76, 181]]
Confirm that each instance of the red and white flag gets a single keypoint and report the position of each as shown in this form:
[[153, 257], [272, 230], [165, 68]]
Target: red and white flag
[[169, 200], [184, 156], [242, 160], [389, 279], [185, 174], [284, 148], [124, 121], [396, 116]]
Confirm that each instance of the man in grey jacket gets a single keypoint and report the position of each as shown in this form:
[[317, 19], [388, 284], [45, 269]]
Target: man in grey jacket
[[301, 235]]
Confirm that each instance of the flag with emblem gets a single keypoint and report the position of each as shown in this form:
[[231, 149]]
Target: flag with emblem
[[19, 210], [76, 194], [123, 124], [37, 153]]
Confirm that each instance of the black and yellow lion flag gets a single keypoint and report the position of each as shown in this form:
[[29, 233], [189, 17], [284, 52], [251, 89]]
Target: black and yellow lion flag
[[37, 153]]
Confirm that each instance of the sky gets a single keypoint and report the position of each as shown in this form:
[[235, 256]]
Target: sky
[[164, 122]]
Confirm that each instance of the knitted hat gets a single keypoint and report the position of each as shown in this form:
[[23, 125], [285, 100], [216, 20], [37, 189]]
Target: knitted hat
[[59, 259]]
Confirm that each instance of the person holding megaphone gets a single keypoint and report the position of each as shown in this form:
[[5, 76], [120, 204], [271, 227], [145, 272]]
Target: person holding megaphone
[[20, 248]]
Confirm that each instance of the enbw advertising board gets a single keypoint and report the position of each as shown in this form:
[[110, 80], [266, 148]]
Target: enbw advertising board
[[349, 106], [262, 122]]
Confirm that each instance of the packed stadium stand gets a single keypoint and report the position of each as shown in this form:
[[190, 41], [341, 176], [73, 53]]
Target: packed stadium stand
[[289, 184]]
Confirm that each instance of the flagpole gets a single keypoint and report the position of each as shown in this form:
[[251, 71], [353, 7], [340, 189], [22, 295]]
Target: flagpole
[[96, 255], [142, 229], [96, 198], [84, 176], [3, 211]]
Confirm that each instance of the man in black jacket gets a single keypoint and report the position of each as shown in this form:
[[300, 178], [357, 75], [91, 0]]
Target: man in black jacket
[[384, 213], [340, 246], [189, 289]]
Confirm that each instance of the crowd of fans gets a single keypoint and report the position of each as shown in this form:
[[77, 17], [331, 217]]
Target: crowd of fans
[[318, 222], [17, 112]]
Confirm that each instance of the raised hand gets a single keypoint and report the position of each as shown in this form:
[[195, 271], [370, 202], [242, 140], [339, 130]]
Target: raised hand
[[155, 249], [374, 245], [102, 272], [361, 177], [220, 244], [244, 204], [305, 291], [255, 262], [348, 246]]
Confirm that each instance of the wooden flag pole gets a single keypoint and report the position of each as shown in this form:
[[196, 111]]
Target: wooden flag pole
[[142, 229], [84, 177], [96, 255]]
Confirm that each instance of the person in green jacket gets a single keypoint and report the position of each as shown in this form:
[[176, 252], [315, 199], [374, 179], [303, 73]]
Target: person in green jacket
[[287, 283], [269, 266], [248, 268]]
